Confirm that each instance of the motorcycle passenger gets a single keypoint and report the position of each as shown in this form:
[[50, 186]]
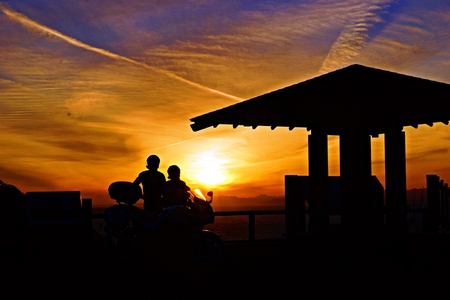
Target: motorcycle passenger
[[175, 189], [153, 183]]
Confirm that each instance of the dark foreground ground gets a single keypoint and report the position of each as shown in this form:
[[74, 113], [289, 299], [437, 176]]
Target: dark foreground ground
[[310, 267]]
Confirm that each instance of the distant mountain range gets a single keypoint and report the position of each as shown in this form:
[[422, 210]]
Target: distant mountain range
[[274, 202], [415, 197]]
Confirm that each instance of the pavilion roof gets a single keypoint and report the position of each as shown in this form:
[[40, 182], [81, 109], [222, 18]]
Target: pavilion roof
[[354, 98]]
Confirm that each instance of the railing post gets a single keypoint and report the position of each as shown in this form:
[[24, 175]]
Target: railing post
[[251, 226]]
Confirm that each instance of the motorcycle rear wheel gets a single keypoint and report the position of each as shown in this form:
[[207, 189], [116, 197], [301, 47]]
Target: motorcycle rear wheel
[[207, 248]]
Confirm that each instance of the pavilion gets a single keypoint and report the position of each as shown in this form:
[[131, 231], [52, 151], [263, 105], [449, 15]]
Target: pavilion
[[356, 103]]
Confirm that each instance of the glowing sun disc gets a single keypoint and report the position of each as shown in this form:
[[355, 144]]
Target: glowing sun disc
[[210, 177]]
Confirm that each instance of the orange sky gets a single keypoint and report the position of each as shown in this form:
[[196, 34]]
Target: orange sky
[[89, 90]]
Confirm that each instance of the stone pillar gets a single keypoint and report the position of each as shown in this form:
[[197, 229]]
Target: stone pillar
[[318, 180], [395, 164], [355, 174]]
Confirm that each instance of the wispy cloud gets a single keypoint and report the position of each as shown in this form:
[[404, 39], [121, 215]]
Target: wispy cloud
[[33, 25], [270, 47], [18, 176], [415, 42], [354, 35]]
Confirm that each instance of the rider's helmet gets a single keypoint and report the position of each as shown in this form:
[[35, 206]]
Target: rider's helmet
[[153, 162], [173, 171]]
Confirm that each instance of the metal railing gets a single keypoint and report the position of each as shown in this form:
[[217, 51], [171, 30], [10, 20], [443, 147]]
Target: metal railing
[[251, 218], [250, 213], [419, 215]]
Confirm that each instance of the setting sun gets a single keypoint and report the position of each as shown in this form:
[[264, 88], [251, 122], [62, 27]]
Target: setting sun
[[210, 168], [211, 176]]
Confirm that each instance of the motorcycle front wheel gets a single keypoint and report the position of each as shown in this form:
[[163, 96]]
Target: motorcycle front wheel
[[207, 248]]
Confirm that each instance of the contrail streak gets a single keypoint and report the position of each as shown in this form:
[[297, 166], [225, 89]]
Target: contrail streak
[[28, 23]]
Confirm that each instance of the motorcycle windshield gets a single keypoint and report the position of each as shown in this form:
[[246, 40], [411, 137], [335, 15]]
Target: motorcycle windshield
[[197, 193]]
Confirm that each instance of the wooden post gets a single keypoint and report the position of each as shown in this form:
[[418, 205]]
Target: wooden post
[[356, 176], [395, 164], [294, 205], [432, 222], [318, 180]]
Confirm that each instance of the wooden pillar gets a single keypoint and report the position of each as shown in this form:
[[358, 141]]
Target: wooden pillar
[[395, 169], [318, 180], [355, 175], [295, 205]]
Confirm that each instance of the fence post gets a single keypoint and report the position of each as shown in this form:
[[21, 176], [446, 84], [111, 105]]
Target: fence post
[[432, 223]]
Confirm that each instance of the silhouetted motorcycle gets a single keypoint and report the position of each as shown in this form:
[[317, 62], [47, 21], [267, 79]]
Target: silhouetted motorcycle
[[135, 232]]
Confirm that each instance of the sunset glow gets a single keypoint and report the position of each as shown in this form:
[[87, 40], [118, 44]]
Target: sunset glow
[[89, 89], [209, 169]]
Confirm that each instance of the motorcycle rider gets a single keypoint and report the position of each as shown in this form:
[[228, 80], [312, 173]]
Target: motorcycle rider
[[175, 190], [174, 200], [153, 183]]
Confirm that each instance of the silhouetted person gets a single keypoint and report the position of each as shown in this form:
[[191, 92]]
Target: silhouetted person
[[153, 183], [175, 190]]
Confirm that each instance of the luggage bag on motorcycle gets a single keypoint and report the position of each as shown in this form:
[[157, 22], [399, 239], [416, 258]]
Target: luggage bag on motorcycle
[[125, 192]]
